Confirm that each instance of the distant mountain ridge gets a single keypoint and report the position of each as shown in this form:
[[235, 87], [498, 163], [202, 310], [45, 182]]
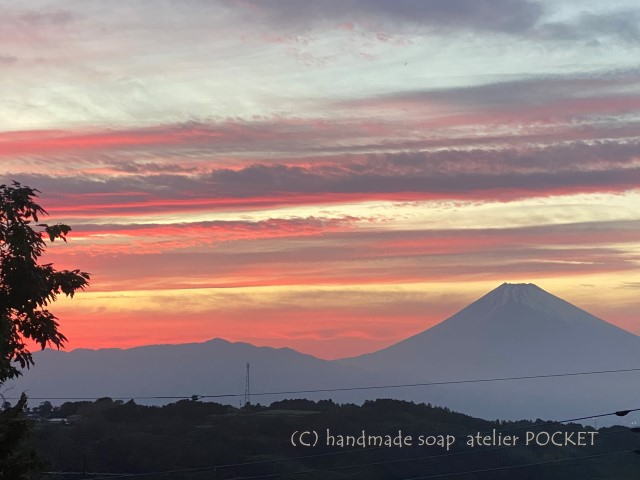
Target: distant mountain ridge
[[514, 330], [209, 368]]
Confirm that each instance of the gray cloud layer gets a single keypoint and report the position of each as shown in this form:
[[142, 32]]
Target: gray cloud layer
[[624, 25], [487, 174], [494, 15], [520, 17], [522, 92]]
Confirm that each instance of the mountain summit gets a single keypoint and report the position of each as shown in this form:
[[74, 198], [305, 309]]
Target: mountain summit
[[527, 293], [526, 303], [514, 330]]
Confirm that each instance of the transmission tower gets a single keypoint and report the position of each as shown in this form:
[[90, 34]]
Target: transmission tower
[[247, 386]]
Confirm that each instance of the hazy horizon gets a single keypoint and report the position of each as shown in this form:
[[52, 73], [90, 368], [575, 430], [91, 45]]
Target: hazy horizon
[[320, 356], [332, 179], [514, 333]]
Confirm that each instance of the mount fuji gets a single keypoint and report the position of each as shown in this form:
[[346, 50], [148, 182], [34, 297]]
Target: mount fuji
[[513, 331], [516, 330]]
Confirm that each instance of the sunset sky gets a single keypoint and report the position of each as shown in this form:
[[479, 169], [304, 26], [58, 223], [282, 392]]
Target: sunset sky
[[330, 176]]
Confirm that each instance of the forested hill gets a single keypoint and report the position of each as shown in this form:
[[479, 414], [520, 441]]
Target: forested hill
[[109, 436]]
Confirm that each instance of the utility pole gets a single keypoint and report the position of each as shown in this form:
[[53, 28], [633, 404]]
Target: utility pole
[[247, 386]]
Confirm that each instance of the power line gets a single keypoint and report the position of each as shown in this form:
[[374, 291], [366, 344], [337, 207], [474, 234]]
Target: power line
[[521, 465], [203, 469], [449, 474], [431, 457], [619, 413], [399, 460], [425, 477], [350, 389]]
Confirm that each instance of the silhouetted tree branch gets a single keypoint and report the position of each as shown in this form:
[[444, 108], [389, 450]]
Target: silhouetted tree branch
[[27, 287]]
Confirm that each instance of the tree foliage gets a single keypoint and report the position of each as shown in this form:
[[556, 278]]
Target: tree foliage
[[27, 287], [18, 459]]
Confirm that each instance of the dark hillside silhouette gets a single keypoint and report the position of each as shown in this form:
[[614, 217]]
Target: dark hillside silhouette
[[112, 436]]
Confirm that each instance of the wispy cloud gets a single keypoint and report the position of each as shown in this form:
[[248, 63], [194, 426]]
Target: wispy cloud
[[8, 59]]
